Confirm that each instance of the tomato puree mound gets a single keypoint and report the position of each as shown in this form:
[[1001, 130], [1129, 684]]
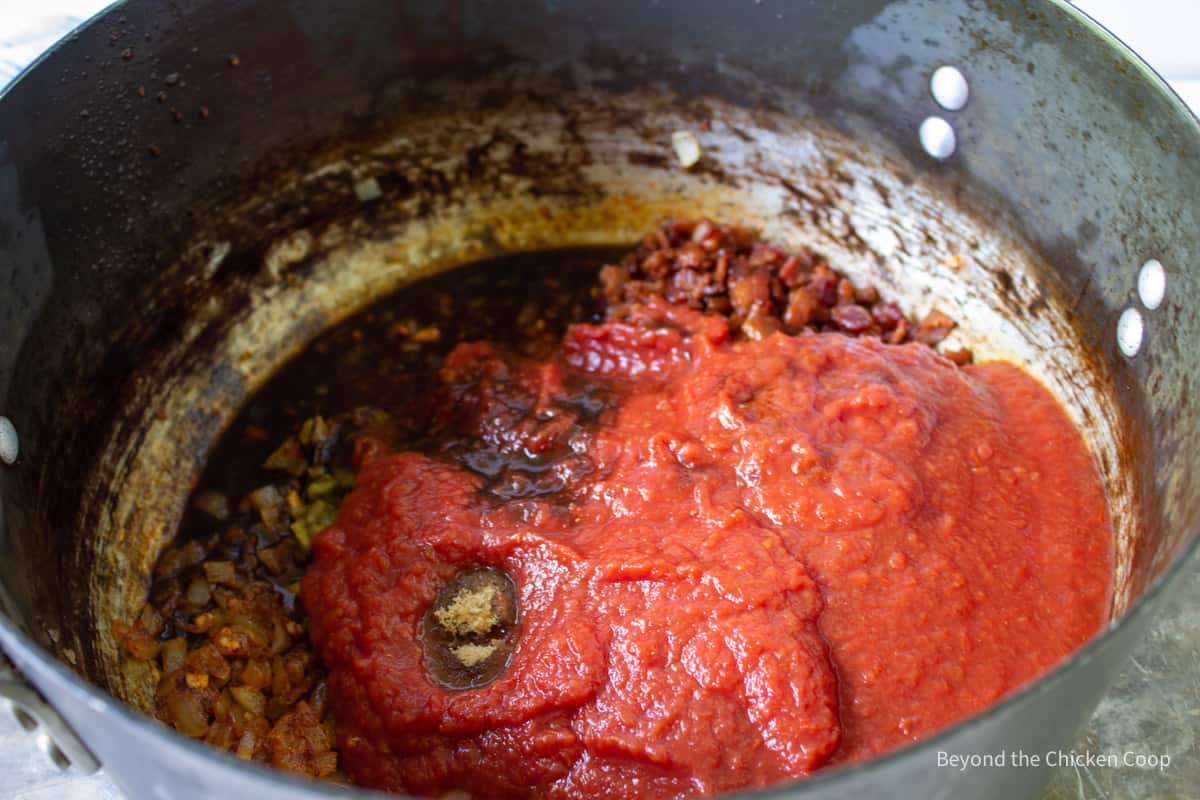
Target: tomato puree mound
[[735, 561]]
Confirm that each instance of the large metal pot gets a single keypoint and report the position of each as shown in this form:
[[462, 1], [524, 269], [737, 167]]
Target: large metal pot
[[191, 191]]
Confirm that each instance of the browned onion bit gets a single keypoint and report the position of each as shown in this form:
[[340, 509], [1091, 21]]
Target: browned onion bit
[[235, 665], [249, 683]]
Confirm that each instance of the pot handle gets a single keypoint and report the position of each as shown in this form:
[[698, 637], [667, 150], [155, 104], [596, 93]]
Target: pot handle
[[35, 713]]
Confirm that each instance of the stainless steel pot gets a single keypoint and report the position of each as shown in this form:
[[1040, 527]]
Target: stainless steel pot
[[189, 193]]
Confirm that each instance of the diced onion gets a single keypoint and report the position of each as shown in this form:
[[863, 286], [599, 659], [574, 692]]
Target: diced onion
[[687, 148]]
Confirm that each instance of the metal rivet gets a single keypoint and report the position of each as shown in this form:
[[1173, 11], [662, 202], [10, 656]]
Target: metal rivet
[[1152, 284], [56, 756], [1130, 329], [24, 718], [9, 449], [937, 137], [949, 88]]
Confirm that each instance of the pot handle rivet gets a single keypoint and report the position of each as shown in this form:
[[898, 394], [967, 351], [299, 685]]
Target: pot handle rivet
[[1130, 330], [39, 719], [1152, 284], [9, 448], [937, 138], [949, 88]]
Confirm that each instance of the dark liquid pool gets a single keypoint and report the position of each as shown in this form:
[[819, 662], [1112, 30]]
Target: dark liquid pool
[[388, 355]]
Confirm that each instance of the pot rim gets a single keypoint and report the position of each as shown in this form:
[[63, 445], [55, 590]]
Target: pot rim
[[30, 656]]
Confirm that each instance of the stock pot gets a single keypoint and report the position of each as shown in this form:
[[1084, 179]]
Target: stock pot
[[190, 192]]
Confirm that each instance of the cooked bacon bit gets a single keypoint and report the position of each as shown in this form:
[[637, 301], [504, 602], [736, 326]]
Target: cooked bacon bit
[[759, 325], [961, 356], [760, 286], [866, 295], [751, 291], [803, 308], [851, 319], [935, 327], [887, 316]]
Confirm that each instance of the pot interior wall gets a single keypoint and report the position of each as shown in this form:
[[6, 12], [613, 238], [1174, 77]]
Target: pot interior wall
[[239, 236]]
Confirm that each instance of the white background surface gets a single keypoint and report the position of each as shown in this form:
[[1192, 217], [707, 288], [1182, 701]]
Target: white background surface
[[1164, 32]]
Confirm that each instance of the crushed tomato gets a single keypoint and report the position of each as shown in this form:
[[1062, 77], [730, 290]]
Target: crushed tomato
[[752, 558]]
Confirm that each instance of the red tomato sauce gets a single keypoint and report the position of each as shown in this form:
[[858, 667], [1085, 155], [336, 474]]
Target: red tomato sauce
[[746, 560]]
